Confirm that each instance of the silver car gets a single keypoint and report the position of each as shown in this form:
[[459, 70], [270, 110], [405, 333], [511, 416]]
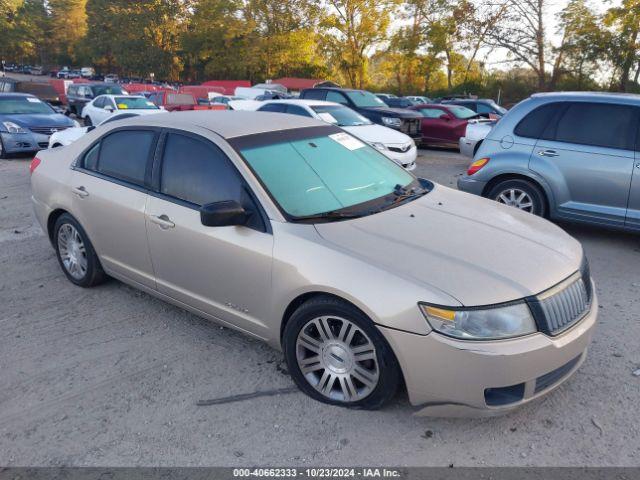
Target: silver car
[[569, 156], [295, 232]]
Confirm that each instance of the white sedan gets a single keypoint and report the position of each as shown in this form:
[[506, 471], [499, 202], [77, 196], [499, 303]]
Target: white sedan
[[70, 135], [394, 144], [104, 106]]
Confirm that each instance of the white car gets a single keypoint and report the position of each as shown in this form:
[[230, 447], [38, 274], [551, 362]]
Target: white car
[[394, 144], [476, 132], [104, 106], [70, 135]]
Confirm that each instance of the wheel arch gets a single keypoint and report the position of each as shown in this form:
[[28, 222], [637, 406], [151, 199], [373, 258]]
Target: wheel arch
[[547, 195], [305, 297], [52, 219]]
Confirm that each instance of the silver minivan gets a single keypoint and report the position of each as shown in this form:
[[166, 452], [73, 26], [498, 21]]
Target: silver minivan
[[566, 156]]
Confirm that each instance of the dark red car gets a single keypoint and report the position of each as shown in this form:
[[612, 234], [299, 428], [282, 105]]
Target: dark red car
[[172, 101], [443, 124]]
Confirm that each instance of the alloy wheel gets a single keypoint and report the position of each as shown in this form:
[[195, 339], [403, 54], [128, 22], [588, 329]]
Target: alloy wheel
[[72, 251], [514, 197], [337, 358]]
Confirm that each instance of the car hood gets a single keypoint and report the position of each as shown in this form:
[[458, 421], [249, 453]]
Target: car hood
[[378, 133], [393, 112], [475, 250], [38, 120]]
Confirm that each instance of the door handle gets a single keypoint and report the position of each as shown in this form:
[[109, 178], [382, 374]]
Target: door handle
[[163, 221], [80, 191], [548, 153]]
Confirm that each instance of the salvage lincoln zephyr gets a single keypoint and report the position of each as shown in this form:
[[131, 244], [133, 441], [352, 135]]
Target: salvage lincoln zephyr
[[295, 232]]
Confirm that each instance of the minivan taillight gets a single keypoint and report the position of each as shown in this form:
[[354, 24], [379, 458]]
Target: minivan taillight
[[477, 165], [34, 164]]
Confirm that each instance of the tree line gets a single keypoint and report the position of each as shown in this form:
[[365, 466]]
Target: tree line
[[404, 46]]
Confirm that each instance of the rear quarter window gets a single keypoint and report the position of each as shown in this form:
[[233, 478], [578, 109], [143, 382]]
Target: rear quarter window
[[535, 122]]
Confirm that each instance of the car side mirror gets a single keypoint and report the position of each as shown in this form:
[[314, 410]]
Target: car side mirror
[[108, 108], [223, 214], [444, 116]]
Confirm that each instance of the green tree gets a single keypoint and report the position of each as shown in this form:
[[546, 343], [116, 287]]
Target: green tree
[[68, 28], [356, 27], [624, 24]]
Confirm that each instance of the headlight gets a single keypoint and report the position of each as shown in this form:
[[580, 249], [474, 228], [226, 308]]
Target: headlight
[[76, 124], [392, 122], [482, 323], [379, 146], [13, 128]]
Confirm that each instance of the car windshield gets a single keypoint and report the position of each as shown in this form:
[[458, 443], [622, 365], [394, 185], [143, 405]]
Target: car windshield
[[137, 103], [320, 174], [364, 99], [461, 112], [339, 115], [180, 99], [107, 90], [23, 105]]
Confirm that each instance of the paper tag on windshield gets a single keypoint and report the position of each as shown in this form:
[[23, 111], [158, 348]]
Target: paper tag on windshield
[[347, 141], [33, 100], [327, 117]]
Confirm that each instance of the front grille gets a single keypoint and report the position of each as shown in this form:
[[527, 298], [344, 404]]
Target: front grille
[[545, 381], [47, 130], [563, 306], [411, 127]]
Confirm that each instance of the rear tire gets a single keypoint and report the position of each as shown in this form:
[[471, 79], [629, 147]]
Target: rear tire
[[522, 194], [346, 360], [75, 253]]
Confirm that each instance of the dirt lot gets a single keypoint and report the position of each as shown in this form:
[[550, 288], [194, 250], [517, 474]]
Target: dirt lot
[[111, 376]]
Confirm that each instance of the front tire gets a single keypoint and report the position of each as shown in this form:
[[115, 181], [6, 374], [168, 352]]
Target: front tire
[[87, 121], [521, 194], [75, 253], [337, 356], [3, 152]]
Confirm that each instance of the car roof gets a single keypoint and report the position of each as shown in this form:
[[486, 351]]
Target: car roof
[[15, 94], [586, 96], [301, 101], [228, 123], [120, 95]]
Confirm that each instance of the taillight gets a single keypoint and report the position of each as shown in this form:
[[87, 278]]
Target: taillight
[[477, 165], [34, 164]]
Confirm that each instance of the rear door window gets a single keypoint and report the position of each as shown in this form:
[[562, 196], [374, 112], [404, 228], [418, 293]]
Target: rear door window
[[315, 94], [124, 155], [297, 110], [598, 124], [273, 107], [336, 97]]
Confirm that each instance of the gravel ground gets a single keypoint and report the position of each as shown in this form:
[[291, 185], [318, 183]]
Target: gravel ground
[[111, 376]]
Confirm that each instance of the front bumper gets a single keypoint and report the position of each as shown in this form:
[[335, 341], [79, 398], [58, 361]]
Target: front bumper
[[449, 377], [24, 142], [470, 185], [405, 159]]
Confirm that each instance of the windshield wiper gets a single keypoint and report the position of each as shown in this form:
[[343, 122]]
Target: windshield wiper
[[403, 193], [335, 215]]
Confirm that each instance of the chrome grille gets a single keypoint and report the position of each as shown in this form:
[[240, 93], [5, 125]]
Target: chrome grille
[[411, 127], [559, 310], [47, 130]]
